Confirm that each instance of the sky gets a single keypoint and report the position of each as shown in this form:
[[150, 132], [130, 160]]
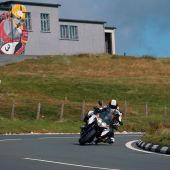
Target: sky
[[143, 26]]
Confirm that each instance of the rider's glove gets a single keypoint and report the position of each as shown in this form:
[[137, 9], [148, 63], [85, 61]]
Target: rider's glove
[[97, 110]]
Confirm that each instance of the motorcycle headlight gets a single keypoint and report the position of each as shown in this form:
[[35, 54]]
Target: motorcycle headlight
[[99, 121], [104, 124]]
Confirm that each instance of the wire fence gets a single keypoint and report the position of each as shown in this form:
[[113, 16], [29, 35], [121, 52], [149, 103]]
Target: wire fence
[[60, 110]]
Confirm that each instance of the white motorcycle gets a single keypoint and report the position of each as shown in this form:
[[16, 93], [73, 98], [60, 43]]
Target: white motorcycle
[[96, 125]]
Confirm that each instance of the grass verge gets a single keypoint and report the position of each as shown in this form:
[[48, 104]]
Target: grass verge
[[50, 80]]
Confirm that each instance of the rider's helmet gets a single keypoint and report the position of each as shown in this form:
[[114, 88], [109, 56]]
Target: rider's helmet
[[19, 14], [113, 104], [19, 11]]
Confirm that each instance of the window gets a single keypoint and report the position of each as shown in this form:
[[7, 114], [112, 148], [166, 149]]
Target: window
[[64, 32], [28, 21], [45, 22], [73, 33], [68, 32]]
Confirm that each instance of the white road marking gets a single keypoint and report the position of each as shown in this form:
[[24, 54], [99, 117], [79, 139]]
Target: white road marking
[[4, 140], [32, 133], [68, 164], [58, 137], [129, 145]]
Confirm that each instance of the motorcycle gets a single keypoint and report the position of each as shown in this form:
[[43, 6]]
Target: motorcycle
[[96, 125], [91, 131]]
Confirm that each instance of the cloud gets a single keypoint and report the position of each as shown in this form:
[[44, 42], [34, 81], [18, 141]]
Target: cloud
[[143, 26]]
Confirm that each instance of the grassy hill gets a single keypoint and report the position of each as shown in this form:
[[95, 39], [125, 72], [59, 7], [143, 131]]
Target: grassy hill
[[73, 79]]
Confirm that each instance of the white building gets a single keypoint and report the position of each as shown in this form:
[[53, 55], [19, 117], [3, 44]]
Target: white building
[[47, 34]]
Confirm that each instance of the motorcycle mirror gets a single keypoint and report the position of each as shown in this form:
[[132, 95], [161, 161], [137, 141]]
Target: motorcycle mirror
[[100, 103]]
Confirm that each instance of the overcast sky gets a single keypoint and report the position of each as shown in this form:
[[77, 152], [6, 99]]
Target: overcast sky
[[143, 26]]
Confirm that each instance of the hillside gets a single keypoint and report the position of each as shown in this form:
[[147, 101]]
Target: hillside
[[73, 79], [90, 77]]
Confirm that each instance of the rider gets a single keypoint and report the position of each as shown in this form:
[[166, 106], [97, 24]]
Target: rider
[[111, 115]]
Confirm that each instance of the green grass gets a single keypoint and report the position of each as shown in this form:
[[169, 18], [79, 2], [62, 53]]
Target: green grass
[[162, 140], [52, 80], [38, 126], [91, 89]]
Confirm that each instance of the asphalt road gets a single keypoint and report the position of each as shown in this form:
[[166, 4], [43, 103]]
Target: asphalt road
[[62, 152]]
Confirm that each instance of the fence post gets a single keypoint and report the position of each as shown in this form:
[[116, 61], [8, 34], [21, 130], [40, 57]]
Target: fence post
[[146, 109], [62, 111], [13, 110], [83, 109], [125, 108], [65, 98], [165, 111], [38, 111]]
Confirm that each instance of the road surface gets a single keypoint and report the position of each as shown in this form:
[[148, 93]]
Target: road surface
[[62, 152]]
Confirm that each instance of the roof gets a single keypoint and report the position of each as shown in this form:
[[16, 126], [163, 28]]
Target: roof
[[110, 28], [4, 8], [50, 3], [81, 21]]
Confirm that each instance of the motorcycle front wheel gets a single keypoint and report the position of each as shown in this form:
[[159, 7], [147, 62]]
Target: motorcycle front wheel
[[87, 137]]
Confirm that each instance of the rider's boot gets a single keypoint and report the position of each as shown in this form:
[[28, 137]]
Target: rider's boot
[[110, 140]]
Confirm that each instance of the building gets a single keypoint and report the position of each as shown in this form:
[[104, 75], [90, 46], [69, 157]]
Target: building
[[34, 28]]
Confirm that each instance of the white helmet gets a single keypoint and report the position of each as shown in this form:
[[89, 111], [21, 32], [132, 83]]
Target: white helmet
[[113, 104]]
